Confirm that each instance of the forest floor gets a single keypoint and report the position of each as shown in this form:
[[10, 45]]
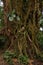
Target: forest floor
[[2, 61], [31, 62]]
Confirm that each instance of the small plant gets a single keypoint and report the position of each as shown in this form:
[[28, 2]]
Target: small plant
[[23, 59], [8, 56]]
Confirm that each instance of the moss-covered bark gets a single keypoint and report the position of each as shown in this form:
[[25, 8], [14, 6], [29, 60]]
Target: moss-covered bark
[[22, 34]]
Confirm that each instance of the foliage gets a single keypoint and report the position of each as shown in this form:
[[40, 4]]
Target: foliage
[[1, 11], [41, 21], [40, 39], [8, 57], [23, 59], [9, 54]]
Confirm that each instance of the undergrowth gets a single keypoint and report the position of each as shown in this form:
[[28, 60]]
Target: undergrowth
[[8, 56]]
